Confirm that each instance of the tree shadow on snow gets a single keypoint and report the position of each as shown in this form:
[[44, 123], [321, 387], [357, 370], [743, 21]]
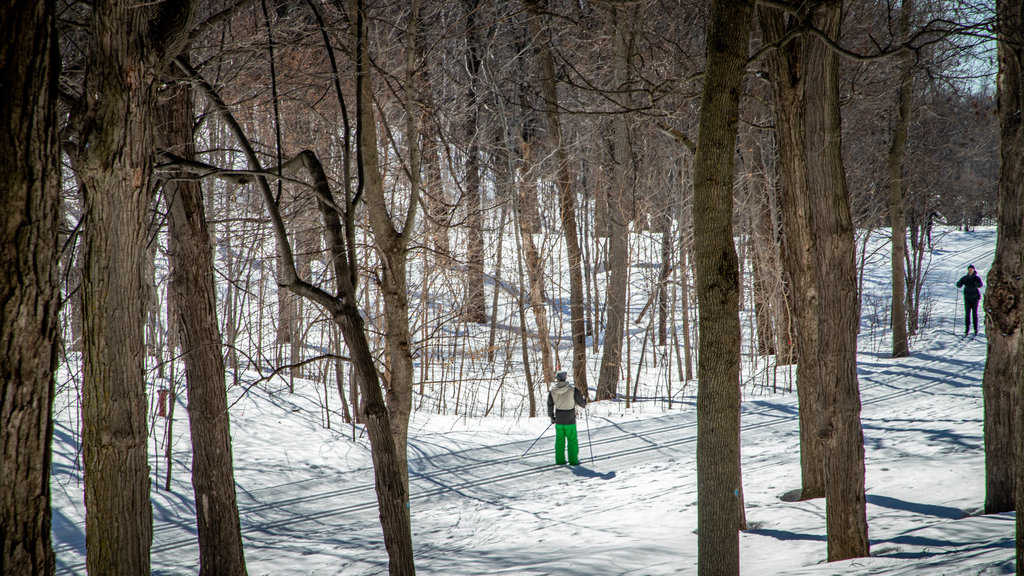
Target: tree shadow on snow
[[946, 512], [785, 534]]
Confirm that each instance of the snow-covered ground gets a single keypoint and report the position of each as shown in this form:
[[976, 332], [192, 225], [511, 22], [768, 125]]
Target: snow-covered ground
[[479, 506]]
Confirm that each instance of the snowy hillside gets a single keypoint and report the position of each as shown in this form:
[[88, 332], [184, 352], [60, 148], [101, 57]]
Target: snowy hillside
[[479, 506]]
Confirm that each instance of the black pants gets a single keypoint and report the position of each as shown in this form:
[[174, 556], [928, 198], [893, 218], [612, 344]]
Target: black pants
[[970, 310]]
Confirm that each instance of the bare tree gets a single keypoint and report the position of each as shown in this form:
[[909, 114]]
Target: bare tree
[[338, 221], [1010, 95], [786, 66], [834, 252], [1003, 292], [194, 301], [475, 305], [29, 293], [719, 507], [897, 194], [127, 49], [618, 216], [392, 242], [567, 205], [534, 260]]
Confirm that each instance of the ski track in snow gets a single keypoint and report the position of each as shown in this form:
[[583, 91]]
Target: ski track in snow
[[630, 508]]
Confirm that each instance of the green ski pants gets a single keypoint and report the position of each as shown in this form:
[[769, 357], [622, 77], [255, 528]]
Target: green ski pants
[[565, 432]]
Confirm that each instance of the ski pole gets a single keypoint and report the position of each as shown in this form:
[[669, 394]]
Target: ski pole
[[590, 444], [538, 438], [955, 307]]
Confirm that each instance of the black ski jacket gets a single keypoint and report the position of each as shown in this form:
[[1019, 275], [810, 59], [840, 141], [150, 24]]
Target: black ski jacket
[[970, 283], [562, 401]]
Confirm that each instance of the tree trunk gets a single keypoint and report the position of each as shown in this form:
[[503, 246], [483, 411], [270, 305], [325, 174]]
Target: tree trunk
[[194, 300], [524, 337], [763, 261], [1010, 96], [618, 226], [1003, 292], [392, 494], [534, 264], [719, 507], [476, 305], [915, 267], [664, 273], [787, 71], [897, 194], [29, 293], [685, 261], [835, 253], [391, 243], [339, 224], [115, 160], [435, 206], [566, 196]]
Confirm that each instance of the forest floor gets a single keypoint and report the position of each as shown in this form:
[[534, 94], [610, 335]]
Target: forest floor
[[479, 506]]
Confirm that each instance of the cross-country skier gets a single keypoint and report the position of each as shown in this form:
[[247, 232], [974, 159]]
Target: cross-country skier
[[562, 401], [971, 283]]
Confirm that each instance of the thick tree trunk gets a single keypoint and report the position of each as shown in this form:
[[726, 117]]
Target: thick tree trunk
[[719, 506], [1010, 95], [1003, 292], [787, 77], [566, 196], [897, 193], [194, 301], [835, 253], [618, 227], [29, 293], [115, 159]]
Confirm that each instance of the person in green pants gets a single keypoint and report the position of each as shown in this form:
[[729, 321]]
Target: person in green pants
[[562, 401]]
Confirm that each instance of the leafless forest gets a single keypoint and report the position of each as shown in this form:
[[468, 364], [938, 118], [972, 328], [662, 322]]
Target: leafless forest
[[436, 205]]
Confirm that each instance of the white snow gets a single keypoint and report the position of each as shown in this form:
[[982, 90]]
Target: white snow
[[480, 507]]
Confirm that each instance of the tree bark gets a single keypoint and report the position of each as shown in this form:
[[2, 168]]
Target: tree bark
[[435, 206], [897, 194], [339, 223], [664, 273], [618, 225], [390, 242], [1010, 97], [476, 305], [786, 65], [29, 292], [534, 263], [835, 253], [1003, 292], [719, 507], [194, 300], [566, 196], [115, 155], [763, 261]]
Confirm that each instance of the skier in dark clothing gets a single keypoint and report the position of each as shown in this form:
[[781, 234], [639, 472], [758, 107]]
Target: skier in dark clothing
[[971, 283], [562, 401]]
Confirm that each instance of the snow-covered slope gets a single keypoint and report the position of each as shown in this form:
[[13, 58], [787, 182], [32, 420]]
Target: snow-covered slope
[[480, 506]]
